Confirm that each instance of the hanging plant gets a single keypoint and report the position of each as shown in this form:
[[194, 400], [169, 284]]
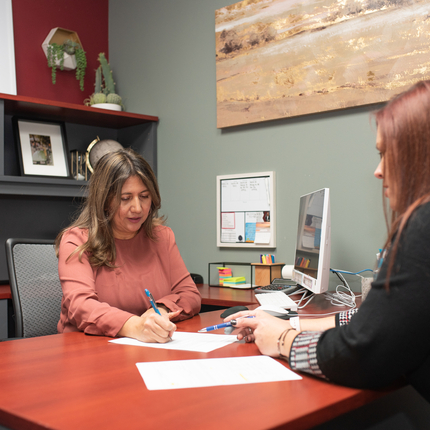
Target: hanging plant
[[56, 52], [81, 65]]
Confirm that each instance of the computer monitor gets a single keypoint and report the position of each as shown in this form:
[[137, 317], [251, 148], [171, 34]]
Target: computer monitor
[[312, 259]]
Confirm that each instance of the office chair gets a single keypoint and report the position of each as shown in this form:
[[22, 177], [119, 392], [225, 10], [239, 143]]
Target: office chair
[[35, 286]]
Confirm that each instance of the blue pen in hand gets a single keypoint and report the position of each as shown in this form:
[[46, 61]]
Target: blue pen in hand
[[153, 304], [222, 325]]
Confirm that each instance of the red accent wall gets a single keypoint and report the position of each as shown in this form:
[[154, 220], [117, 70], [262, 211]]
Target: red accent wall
[[33, 20]]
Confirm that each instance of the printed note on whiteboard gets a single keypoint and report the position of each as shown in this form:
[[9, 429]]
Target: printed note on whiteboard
[[245, 194], [232, 227], [262, 232]]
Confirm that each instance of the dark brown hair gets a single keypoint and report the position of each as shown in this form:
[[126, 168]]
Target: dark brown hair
[[104, 195], [404, 140]]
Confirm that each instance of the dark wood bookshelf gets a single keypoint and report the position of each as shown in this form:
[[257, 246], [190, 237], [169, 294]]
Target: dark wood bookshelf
[[83, 124]]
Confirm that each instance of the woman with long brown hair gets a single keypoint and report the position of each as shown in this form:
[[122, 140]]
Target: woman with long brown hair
[[117, 248], [387, 339]]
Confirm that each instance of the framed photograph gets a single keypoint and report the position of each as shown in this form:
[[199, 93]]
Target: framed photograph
[[42, 148]]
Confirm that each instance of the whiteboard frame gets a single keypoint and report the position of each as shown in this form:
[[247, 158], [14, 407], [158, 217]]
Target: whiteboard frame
[[272, 190], [7, 51]]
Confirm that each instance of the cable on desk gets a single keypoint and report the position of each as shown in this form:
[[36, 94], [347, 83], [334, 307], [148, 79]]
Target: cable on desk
[[351, 273], [340, 298], [319, 315], [304, 296]]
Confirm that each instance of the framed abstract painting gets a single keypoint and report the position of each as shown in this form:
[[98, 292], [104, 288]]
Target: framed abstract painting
[[282, 58]]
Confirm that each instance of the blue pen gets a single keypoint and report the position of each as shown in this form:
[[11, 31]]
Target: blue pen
[[153, 304], [222, 325]]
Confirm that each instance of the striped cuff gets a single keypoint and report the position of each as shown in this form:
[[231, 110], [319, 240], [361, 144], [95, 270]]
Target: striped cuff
[[303, 354], [343, 318]]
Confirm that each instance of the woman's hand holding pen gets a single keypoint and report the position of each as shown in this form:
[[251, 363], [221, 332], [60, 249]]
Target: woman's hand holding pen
[[264, 330], [150, 326]]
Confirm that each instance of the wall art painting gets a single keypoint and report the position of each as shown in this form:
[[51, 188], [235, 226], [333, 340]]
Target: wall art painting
[[283, 58]]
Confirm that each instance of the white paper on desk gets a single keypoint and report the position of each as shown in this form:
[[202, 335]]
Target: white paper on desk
[[184, 341], [166, 375]]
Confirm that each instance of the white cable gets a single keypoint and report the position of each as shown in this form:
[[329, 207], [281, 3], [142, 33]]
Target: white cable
[[318, 315], [299, 304], [340, 298], [304, 292]]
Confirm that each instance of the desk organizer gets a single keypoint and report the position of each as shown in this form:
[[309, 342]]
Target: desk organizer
[[237, 269], [266, 273]]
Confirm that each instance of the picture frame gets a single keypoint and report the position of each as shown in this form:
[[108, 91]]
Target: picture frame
[[42, 148], [281, 59]]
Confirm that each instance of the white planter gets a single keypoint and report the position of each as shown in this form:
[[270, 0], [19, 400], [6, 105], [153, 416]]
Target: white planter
[[60, 35], [110, 106]]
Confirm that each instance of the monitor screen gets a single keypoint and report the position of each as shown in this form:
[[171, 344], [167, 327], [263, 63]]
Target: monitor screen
[[312, 259]]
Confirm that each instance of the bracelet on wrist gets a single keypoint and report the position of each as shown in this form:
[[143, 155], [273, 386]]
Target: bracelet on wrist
[[281, 342]]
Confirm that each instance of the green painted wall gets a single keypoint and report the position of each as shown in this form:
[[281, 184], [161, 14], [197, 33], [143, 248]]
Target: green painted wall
[[163, 58]]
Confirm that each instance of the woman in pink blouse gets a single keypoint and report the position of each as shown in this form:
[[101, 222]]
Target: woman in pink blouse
[[117, 248]]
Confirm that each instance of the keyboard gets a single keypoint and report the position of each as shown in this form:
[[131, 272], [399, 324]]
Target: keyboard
[[277, 299], [273, 288]]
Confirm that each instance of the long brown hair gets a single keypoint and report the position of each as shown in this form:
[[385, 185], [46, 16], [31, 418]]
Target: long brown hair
[[104, 195], [404, 140]]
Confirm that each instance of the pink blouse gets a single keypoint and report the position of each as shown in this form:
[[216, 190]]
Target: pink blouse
[[100, 300]]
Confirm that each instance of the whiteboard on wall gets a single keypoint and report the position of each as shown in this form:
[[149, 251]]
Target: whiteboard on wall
[[246, 210], [7, 50]]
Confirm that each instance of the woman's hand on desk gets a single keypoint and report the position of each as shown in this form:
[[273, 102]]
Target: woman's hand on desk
[[150, 327], [264, 330]]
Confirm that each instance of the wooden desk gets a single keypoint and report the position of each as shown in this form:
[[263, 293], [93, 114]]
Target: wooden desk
[[226, 297], [216, 296], [5, 294], [74, 381], [219, 296]]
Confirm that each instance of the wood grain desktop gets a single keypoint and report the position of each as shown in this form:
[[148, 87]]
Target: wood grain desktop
[[76, 381]]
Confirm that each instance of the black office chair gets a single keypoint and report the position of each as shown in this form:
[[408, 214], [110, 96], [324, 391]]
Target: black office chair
[[35, 286]]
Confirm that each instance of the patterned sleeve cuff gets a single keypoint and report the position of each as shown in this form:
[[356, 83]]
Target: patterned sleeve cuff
[[303, 354], [343, 318]]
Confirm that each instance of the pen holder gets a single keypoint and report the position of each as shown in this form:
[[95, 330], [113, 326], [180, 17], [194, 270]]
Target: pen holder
[[365, 287], [266, 273]]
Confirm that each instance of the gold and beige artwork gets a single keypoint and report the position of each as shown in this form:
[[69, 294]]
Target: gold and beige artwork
[[283, 58]]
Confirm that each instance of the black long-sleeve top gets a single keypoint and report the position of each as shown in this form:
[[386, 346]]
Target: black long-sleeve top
[[389, 337]]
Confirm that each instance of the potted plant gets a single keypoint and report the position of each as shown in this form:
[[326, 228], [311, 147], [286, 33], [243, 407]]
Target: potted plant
[[104, 95]]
